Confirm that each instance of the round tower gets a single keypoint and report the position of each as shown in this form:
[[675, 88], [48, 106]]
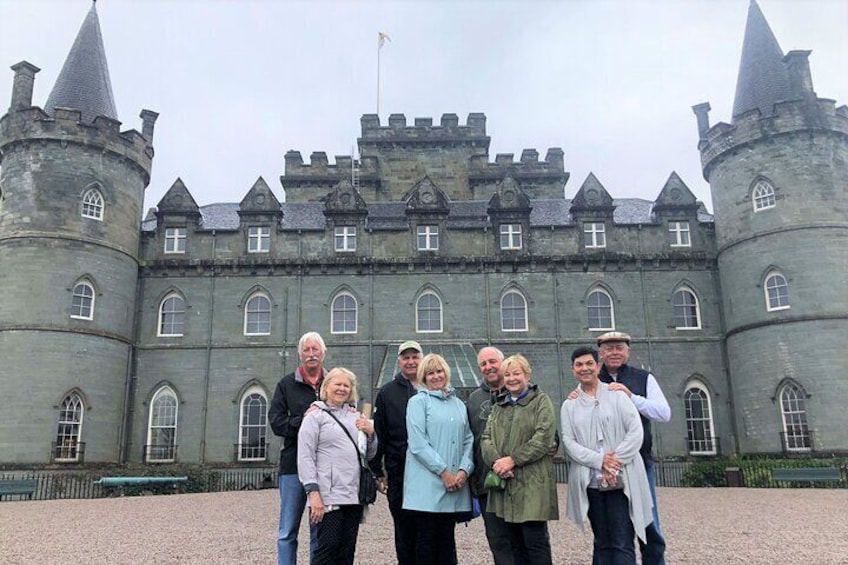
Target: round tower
[[778, 175], [72, 191]]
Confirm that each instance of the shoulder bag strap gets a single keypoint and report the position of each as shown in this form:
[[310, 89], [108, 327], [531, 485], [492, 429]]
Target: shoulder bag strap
[[350, 437]]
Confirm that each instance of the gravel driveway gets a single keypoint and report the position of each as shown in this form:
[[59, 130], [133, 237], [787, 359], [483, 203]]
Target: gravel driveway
[[703, 526]]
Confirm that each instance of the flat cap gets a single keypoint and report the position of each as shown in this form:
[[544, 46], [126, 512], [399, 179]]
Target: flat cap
[[409, 345], [610, 337]]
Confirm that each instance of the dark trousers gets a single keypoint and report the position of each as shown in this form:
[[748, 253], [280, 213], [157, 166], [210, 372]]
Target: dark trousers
[[653, 550], [436, 544], [406, 535], [609, 514], [497, 535], [530, 542], [336, 536]]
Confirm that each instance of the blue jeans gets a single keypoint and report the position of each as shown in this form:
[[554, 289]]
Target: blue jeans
[[292, 503], [609, 514], [653, 551]]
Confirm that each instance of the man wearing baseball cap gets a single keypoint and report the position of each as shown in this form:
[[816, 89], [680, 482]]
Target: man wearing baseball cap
[[645, 392], [390, 425]]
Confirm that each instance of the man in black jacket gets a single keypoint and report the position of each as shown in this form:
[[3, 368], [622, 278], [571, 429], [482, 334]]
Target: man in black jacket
[[390, 425], [294, 394]]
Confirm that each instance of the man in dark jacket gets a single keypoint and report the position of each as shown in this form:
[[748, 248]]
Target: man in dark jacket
[[390, 425], [294, 394]]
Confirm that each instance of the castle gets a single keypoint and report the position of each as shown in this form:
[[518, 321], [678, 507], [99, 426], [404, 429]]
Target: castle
[[163, 341]]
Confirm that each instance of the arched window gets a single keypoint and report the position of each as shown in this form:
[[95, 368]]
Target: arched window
[[699, 420], [796, 434], [600, 311], [92, 204], [777, 292], [253, 426], [82, 301], [513, 312], [763, 196], [687, 315], [428, 313], [172, 316], [343, 314], [68, 446], [257, 315], [162, 431]]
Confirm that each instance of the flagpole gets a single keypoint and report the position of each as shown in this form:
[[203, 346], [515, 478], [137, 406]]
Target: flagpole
[[379, 45]]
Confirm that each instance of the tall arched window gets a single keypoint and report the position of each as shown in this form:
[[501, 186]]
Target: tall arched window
[[687, 315], [257, 315], [796, 434], [162, 431], [763, 196], [428, 313], [343, 314], [777, 292], [513, 312], [253, 426], [600, 310], [699, 420], [82, 301], [92, 204], [68, 446], [172, 316]]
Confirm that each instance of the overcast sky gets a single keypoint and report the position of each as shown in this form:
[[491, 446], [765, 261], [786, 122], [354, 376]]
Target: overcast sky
[[238, 83]]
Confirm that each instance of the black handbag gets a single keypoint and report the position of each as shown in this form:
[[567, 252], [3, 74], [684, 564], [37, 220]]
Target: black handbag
[[367, 482]]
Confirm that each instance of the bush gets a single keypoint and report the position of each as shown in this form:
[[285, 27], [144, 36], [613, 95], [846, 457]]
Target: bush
[[756, 471]]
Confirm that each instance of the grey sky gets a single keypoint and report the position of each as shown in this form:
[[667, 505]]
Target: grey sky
[[238, 83]]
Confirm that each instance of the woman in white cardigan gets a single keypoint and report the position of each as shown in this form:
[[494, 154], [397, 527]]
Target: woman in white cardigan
[[607, 485]]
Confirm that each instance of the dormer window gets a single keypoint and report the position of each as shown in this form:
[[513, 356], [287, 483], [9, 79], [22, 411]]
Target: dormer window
[[175, 240], [428, 238], [595, 235], [510, 236], [345, 239], [259, 239], [678, 234]]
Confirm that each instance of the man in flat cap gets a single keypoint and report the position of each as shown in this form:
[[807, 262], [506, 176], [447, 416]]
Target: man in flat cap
[[646, 394], [390, 425]]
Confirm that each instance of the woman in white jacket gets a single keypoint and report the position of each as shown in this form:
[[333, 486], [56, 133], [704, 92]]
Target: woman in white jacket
[[328, 467]]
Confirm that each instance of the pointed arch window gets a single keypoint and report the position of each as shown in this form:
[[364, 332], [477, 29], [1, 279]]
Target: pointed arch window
[[92, 204], [793, 411], [343, 314], [699, 420], [428, 313], [68, 447], [763, 196], [172, 316], [600, 311], [687, 315], [253, 426], [257, 315], [513, 312], [82, 301], [162, 430], [777, 292]]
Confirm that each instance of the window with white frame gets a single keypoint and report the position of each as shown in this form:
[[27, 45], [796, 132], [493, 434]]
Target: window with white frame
[[92, 204], [763, 196], [345, 239], [343, 314], [595, 236], [253, 426], [172, 316], [257, 315], [600, 311], [428, 238], [162, 429], [69, 431], [82, 301], [777, 292], [513, 312], [510, 236], [700, 439], [678, 234], [428, 313], [687, 314], [796, 434], [258, 239], [175, 240]]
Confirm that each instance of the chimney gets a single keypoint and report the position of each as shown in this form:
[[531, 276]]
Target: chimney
[[148, 120], [702, 112], [22, 85], [800, 79]]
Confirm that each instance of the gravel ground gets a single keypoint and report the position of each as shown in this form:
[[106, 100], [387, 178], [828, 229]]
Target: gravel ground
[[703, 526]]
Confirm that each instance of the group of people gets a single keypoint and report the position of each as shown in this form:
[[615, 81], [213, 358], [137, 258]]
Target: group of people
[[440, 460]]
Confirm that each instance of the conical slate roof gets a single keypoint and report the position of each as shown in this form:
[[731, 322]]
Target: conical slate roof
[[763, 79], [84, 81]]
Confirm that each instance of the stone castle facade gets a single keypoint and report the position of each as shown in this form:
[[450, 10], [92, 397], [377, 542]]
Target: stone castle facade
[[163, 342]]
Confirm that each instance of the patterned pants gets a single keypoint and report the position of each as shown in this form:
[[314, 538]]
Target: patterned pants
[[336, 536]]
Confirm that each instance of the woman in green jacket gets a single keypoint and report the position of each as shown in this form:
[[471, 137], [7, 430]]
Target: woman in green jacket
[[516, 446]]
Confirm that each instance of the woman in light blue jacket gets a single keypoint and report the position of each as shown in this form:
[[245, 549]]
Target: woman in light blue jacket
[[438, 462]]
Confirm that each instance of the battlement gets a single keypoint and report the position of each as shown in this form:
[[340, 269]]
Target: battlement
[[528, 165], [319, 166], [423, 131]]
